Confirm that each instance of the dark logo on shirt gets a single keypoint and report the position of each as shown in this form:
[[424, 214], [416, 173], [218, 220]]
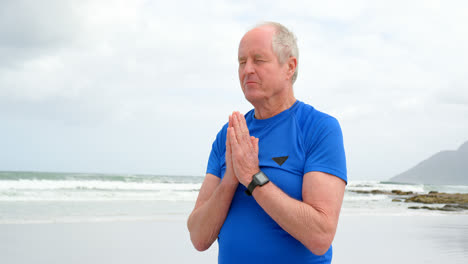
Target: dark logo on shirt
[[280, 160]]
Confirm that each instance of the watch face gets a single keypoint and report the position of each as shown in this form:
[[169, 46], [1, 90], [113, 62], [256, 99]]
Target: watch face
[[261, 178]]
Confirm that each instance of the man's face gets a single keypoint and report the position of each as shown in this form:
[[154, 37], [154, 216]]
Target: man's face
[[260, 73]]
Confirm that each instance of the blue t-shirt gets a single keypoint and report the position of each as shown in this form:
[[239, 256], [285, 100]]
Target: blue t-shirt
[[301, 139]]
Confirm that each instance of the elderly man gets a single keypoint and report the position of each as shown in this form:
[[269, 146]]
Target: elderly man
[[276, 176]]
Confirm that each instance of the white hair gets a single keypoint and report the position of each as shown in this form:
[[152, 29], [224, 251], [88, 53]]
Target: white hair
[[284, 44]]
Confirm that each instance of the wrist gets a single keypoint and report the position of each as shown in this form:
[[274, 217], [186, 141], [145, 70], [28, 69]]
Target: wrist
[[230, 179], [249, 177]]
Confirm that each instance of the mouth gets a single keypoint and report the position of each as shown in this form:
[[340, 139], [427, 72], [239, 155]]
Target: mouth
[[250, 82]]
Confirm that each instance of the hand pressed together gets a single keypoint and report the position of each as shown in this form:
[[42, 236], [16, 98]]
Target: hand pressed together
[[243, 149]]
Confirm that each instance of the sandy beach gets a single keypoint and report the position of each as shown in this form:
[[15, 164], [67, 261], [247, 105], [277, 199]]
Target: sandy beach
[[142, 242], [401, 239], [360, 239]]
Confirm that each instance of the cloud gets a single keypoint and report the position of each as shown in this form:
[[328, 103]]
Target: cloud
[[30, 29], [158, 78]]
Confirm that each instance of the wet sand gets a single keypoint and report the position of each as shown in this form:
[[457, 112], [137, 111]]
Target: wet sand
[[360, 239]]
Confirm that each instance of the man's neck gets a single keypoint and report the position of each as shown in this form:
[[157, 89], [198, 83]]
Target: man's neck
[[270, 108]]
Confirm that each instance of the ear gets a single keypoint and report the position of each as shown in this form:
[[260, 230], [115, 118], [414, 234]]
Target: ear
[[292, 64]]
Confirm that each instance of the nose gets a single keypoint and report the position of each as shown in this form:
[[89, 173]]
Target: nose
[[248, 67]]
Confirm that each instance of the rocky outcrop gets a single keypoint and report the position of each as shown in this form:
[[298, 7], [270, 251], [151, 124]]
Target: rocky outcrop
[[450, 201], [440, 198]]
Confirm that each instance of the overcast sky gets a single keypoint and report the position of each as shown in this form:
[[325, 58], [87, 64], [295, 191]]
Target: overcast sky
[[144, 86]]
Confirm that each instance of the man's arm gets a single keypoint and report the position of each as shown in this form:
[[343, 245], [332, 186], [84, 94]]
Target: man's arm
[[213, 202], [312, 221], [210, 210]]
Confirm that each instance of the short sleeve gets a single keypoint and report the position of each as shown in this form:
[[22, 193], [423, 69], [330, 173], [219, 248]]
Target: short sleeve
[[216, 159], [325, 149]]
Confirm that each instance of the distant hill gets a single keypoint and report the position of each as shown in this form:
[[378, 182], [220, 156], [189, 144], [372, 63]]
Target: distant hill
[[446, 167]]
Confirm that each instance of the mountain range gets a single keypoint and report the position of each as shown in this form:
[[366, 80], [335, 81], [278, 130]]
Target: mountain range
[[448, 167]]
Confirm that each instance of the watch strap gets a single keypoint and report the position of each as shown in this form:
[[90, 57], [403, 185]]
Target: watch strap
[[254, 183], [251, 187]]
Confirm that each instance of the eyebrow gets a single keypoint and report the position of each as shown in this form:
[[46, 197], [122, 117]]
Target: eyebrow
[[256, 56]]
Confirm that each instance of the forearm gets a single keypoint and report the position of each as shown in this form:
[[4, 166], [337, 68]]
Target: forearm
[[206, 221], [311, 226]]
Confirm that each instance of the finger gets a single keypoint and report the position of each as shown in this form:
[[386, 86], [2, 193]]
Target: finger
[[236, 126], [254, 141], [243, 123], [228, 135], [232, 137], [245, 130], [242, 130], [228, 141]]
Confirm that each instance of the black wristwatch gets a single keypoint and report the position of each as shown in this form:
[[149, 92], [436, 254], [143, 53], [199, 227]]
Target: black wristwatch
[[259, 179]]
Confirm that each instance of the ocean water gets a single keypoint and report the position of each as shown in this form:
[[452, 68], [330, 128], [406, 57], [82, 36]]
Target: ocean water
[[42, 197]]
